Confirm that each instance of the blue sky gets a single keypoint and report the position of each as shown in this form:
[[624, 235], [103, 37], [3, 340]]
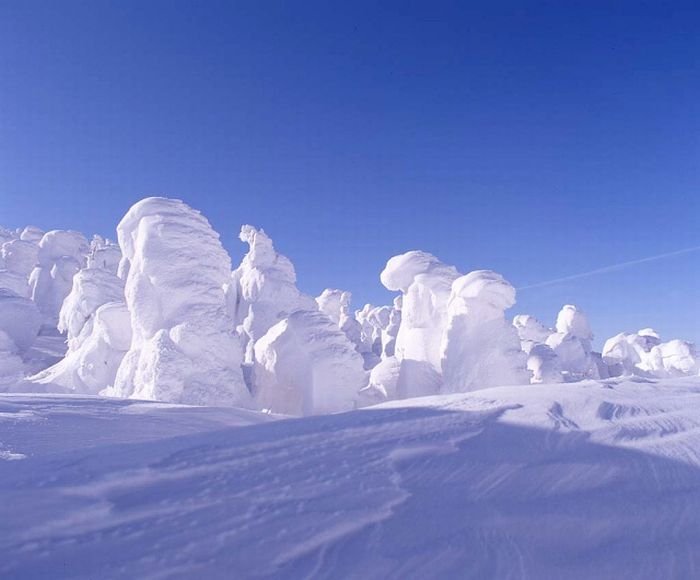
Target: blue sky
[[538, 139]]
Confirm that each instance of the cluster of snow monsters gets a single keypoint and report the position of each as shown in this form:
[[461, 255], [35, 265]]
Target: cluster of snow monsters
[[160, 315]]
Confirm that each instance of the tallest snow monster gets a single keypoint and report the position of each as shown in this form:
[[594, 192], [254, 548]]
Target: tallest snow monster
[[184, 349]]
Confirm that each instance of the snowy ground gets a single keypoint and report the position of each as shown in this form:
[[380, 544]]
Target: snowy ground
[[586, 480]]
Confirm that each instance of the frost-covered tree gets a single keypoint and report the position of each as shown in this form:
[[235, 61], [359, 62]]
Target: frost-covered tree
[[183, 348], [262, 289], [304, 365], [480, 348]]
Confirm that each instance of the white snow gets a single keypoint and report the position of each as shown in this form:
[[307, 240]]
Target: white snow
[[176, 325], [263, 289], [305, 365], [62, 253], [432, 456], [479, 347], [588, 480], [183, 348]]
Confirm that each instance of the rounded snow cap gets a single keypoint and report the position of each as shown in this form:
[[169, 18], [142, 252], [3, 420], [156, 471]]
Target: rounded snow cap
[[400, 271], [573, 321], [484, 286], [650, 332]]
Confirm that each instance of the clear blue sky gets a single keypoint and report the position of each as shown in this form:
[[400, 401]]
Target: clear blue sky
[[538, 139]]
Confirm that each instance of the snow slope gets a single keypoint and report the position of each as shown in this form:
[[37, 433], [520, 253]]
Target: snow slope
[[586, 480]]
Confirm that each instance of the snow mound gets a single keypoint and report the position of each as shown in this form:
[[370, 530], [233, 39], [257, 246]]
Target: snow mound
[[91, 365], [91, 289], [304, 365]]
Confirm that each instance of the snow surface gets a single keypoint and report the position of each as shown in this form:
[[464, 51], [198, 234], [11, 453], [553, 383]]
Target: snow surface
[[587, 480]]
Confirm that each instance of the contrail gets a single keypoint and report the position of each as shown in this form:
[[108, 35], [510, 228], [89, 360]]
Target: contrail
[[612, 268]]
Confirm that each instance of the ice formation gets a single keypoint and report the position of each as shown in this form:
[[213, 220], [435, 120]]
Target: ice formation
[[92, 287], [91, 365], [543, 364], [159, 315], [336, 305], [333, 303], [530, 330], [425, 284], [263, 289], [31, 234], [480, 348], [104, 254], [61, 255], [20, 256], [19, 321], [378, 326], [572, 345], [643, 353], [19, 325], [183, 347], [542, 361], [304, 365]]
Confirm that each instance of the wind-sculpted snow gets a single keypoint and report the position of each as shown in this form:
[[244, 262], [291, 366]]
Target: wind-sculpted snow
[[572, 345], [90, 366], [304, 365], [61, 255], [590, 480], [97, 326], [20, 256], [425, 284], [530, 330], [335, 304], [19, 320], [104, 255], [183, 347], [479, 347], [193, 326], [643, 354], [379, 326], [263, 289], [91, 289]]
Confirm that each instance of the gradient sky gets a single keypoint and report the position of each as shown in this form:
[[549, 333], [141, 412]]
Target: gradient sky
[[538, 139]]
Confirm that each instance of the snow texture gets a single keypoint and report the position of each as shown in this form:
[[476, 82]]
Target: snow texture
[[304, 365], [588, 480], [183, 347], [61, 255], [263, 289], [479, 347]]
